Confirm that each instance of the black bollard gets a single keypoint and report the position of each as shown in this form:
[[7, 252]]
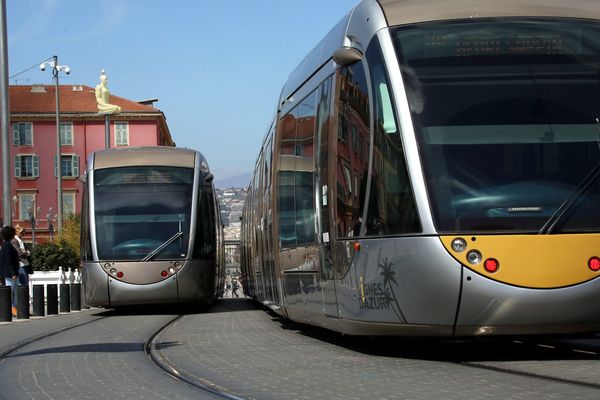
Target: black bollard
[[38, 301], [76, 297], [52, 299], [5, 304], [23, 302], [65, 298]]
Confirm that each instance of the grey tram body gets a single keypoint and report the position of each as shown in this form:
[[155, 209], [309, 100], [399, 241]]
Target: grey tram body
[[433, 294], [194, 277]]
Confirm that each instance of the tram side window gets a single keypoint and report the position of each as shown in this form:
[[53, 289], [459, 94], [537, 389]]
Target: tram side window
[[296, 170], [392, 208], [303, 179], [351, 163], [85, 240], [205, 225], [285, 183]]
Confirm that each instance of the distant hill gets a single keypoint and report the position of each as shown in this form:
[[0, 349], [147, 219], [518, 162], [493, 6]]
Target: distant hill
[[238, 181]]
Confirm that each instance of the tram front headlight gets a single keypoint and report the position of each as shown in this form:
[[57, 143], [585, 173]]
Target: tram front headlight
[[113, 271], [459, 245], [474, 257]]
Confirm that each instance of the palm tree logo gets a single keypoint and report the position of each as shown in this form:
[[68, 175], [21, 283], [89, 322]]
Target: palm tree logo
[[388, 279]]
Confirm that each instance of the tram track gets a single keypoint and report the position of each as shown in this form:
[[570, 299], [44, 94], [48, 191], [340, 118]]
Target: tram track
[[562, 350], [151, 348], [5, 352]]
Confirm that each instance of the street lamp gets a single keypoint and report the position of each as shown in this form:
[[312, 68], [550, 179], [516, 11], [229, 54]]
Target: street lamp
[[14, 211], [55, 70], [49, 217], [31, 210]]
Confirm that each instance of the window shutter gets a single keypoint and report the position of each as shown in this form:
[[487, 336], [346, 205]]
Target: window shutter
[[28, 134], [17, 166], [75, 167], [55, 166], [16, 140], [36, 166]]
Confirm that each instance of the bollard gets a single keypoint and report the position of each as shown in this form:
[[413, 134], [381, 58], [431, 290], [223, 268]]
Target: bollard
[[76, 296], [5, 304], [23, 302], [38, 301], [52, 299], [65, 298]]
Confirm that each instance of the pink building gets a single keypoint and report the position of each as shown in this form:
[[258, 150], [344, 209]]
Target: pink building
[[33, 146]]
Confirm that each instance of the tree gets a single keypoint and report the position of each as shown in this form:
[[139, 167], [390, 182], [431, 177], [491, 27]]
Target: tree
[[70, 234], [50, 256]]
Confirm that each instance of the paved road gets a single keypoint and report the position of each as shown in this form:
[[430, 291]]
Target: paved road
[[238, 347], [256, 355], [101, 358]]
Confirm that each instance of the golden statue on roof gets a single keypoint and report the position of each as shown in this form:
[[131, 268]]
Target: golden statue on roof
[[103, 97]]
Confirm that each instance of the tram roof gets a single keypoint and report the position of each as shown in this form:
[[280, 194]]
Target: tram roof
[[399, 12], [158, 155]]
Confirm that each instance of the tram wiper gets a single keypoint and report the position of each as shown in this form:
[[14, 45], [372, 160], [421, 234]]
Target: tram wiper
[[554, 221], [163, 246]]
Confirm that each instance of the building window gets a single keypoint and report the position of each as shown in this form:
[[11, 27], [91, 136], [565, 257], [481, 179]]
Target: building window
[[69, 166], [23, 134], [27, 166], [68, 201], [26, 203], [122, 133], [66, 133]]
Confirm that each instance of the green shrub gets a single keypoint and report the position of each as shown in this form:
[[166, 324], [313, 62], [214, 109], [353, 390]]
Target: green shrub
[[50, 256]]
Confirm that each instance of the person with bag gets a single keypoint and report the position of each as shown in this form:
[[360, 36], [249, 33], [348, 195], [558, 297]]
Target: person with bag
[[9, 263], [24, 264]]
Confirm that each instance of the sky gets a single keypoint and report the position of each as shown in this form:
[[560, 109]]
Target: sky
[[217, 67]]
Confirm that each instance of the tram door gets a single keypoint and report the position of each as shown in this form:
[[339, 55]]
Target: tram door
[[323, 186]]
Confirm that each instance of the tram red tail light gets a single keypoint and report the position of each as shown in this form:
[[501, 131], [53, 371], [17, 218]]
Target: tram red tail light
[[164, 274], [491, 265], [594, 264], [119, 274], [356, 246]]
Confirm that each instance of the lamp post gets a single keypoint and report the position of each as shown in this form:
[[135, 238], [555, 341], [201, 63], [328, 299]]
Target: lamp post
[[31, 210], [50, 225], [15, 199], [55, 70]]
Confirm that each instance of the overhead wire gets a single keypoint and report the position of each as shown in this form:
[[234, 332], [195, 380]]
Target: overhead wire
[[30, 68]]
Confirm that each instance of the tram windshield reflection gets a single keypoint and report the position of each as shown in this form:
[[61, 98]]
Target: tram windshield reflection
[[506, 113], [138, 209]]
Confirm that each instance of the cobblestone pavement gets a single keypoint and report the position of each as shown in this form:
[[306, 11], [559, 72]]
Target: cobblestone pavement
[[254, 354], [257, 355], [104, 358]]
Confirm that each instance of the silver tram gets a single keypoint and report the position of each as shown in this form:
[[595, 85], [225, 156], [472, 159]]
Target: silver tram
[[433, 169], [151, 230]]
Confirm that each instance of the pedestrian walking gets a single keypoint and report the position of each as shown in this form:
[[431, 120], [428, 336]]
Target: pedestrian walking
[[9, 263], [24, 265], [234, 288]]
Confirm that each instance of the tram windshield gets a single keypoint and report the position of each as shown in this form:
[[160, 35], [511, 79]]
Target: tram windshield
[[142, 213], [507, 116]]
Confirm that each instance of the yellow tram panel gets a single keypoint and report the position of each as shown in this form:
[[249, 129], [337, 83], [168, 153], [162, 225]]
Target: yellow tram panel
[[532, 261]]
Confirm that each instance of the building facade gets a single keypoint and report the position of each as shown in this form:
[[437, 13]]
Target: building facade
[[82, 131]]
